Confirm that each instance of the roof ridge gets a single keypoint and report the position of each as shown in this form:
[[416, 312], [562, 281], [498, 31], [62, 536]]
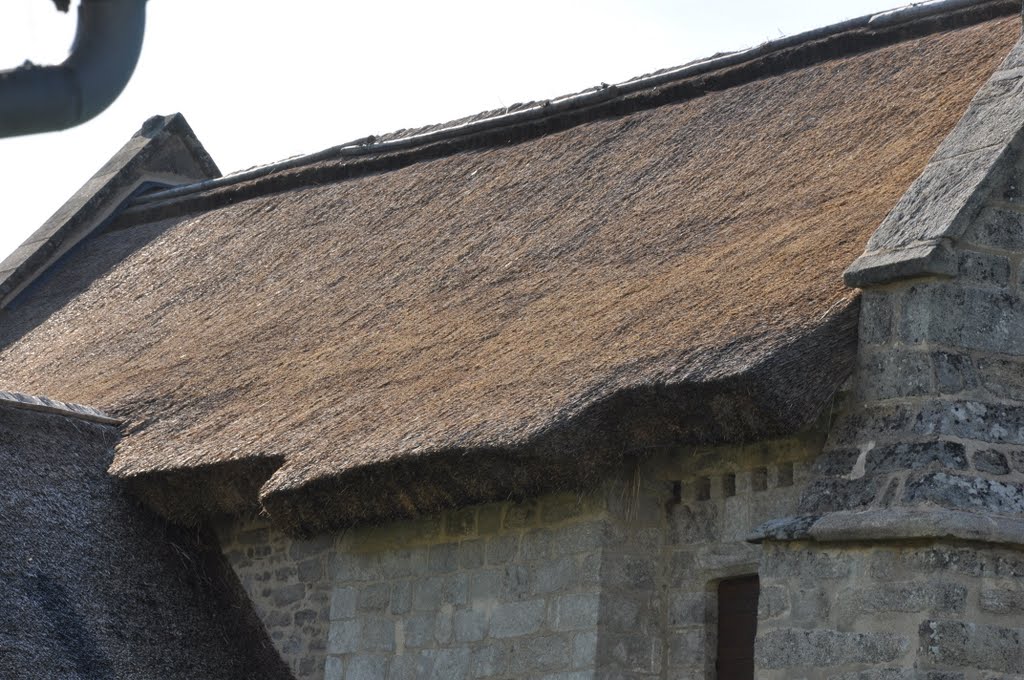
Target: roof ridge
[[601, 95], [46, 405]]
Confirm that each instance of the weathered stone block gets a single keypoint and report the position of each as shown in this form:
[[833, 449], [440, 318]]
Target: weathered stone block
[[792, 648], [688, 649], [1003, 378], [984, 268], [377, 634], [832, 494], [915, 456], [555, 575], [502, 549], [334, 668], [460, 523], [917, 596], [512, 619], [772, 602], [1003, 601], [900, 564], [876, 317], [418, 629], [693, 523], [636, 653], [575, 612], [691, 608], [991, 461], [452, 662], [471, 554], [889, 373], [470, 625], [534, 545], [366, 667], [401, 597], [961, 492], [373, 598], [344, 636], [997, 228], [443, 558], [584, 649], [343, 602], [954, 373], [975, 646], [288, 594], [785, 563]]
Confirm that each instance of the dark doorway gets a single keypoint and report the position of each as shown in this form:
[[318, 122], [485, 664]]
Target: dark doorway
[[737, 627]]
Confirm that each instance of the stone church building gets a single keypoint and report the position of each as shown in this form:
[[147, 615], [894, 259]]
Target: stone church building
[[714, 373]]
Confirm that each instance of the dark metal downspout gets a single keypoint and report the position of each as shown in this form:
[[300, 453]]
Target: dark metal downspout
[[107, 44]]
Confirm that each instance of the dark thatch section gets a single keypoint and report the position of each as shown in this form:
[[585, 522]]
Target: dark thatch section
[[509, 318], [95, 586]]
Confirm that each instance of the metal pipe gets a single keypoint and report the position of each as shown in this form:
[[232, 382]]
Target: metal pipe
[[103, 56]]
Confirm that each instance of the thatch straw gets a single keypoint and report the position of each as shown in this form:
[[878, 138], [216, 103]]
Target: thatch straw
[[95, 586], [506, 319]]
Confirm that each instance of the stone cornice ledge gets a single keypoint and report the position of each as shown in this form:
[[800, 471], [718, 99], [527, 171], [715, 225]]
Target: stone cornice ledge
[[892, 525], [45, 405]]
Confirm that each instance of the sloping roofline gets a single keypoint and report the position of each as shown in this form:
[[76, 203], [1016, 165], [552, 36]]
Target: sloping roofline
[[524, 121]]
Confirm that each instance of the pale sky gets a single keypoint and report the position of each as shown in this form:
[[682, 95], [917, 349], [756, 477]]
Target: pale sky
[[261, 81]]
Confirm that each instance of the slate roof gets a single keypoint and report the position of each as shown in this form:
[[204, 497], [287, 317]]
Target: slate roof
[[512, 309]]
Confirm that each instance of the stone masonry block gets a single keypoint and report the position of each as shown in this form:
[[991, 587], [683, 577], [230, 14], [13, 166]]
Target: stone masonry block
[[876, 317], [997, 228], [975, 646], [785, 563], [954, 373], [373, 598], [991, 461], [688, 608], [513, 619], [470, 625], [575, 612], [916, 596], [984, 268], [344, 636], [1002, 378], [891, 373], [343, 602], [1003, 601], [541, 653], [915, 456], [961, 492], [793, 648]]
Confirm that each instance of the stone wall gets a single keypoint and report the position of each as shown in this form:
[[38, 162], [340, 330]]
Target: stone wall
[[927, 611], [619, 583]]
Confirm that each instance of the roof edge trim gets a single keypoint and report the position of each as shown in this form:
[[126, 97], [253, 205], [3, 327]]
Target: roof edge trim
[[590, 97], [45, 405], [915, 238], [164, 150]]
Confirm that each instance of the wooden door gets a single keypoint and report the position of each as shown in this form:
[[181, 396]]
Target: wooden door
[[737, 626]]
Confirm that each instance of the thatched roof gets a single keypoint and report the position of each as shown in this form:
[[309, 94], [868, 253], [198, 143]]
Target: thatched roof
[[508, 311], [95, 586]]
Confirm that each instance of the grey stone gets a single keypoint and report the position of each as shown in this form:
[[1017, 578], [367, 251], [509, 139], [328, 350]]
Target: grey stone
[[471, 553], [971, 419], [453, 662], [534, 545], [303, 549], [792, 648], [631, 653], [635, 572], [917, 596], [1003, 378], [961, 492], [772, 602], [809, 607], [443, 558], [831, 494], [344, 636], [991, 461], [579, 538], [690, 608], [366, 667], [541, 653], [289, 594], [954, 373], [915, 456], [470, 625], [343, 602], [404, 562], [890, 373], [688, 649], [991, 120], [876, 317], [1002, 601], [377, 634], [898, 564], [411, 666], [334, 668], [985, 268], [418, 629], [584, 649], [693, 523], [401, 597], [554, 575], [970, 645], [443, 625], [512, 619], [488, 661], [373, 598], [576, 612], [998, 228], [784, 562], [502, 549]]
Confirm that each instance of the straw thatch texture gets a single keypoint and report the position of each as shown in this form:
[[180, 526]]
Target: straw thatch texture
[[506, 319], [95, 586]]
